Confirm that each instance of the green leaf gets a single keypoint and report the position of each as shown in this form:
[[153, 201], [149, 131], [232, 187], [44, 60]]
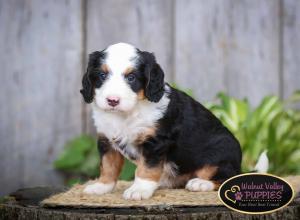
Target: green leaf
[[127, 171], [270, 126], [243, 109], [90, 166], [74, 152], [74, 181]]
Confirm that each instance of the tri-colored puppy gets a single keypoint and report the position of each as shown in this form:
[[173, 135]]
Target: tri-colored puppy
[[173, 139]]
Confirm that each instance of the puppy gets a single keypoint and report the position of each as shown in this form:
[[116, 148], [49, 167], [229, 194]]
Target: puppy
[[174, 141]]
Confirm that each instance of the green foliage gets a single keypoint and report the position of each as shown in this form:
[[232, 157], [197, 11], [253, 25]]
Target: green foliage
[[127, 171], [80, 156], [80, 160], [272, 126]]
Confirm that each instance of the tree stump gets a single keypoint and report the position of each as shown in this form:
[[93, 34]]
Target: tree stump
[[24, 204]]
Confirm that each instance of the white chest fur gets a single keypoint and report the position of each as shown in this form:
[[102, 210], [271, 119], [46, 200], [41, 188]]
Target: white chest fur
[[126, 127]]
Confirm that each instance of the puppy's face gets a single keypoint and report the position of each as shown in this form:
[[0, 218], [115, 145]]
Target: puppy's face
[[120, 76]]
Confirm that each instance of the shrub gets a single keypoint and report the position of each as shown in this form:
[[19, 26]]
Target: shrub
[[80, 161], [273, 126]]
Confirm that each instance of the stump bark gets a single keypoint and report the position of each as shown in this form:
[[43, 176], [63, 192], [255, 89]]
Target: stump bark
[[24, 204]]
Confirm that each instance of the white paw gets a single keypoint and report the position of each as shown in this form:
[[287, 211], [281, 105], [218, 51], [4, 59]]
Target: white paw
[[99, 188], [140, 189], [198, 184]]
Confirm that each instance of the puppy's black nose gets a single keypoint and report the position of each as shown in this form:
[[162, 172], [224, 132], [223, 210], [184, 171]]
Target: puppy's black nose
[[113, 101]]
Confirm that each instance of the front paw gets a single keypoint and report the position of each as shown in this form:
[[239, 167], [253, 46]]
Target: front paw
[[99, 188], [134, 193], [140, 189]]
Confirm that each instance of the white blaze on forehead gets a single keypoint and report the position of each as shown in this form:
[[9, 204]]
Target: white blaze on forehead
[[120, 56]]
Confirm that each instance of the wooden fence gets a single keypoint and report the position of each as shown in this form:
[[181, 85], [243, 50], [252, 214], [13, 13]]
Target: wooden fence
[[248, 48]]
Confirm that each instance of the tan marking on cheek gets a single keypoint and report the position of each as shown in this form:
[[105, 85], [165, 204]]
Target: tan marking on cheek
[[104, 68], [206, 172], [141, 94], [111, 166], [128, 70], [150, 173], [142, 137]]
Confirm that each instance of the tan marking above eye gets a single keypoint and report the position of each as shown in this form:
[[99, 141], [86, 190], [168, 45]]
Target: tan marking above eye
[[104, 68], [128, 70]]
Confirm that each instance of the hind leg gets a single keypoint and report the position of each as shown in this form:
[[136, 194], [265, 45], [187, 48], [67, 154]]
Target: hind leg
[[209, 178], [198, 184], [202, 182]]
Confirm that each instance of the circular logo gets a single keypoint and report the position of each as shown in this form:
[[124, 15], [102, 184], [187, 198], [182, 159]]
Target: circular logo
[[256, 193]]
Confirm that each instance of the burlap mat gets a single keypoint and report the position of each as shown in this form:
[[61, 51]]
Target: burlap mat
[[162, 197]]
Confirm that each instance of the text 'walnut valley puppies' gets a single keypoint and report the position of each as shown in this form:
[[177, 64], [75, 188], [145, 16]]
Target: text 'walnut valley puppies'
[[174, 140]]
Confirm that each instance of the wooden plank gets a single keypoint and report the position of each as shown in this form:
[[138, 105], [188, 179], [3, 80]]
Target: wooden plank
[[147, 24], [41, 105], [253, 49], [199, 36], [227, 45], [291, 47]]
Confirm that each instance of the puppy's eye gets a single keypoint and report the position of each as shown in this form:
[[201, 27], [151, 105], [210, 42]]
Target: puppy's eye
[[102, 76], [130, 77]]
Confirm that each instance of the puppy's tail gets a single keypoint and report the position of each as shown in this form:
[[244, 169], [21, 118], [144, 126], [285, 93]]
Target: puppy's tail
[[262, 164]]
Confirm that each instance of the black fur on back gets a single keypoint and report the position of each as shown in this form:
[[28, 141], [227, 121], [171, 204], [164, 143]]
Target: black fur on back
[[191, 136]]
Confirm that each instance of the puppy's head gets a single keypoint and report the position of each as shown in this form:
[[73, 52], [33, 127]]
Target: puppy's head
[[120, 76]]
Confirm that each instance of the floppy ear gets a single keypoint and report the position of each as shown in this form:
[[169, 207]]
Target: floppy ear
[[87, 90], [88, 80], [154, 88]]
